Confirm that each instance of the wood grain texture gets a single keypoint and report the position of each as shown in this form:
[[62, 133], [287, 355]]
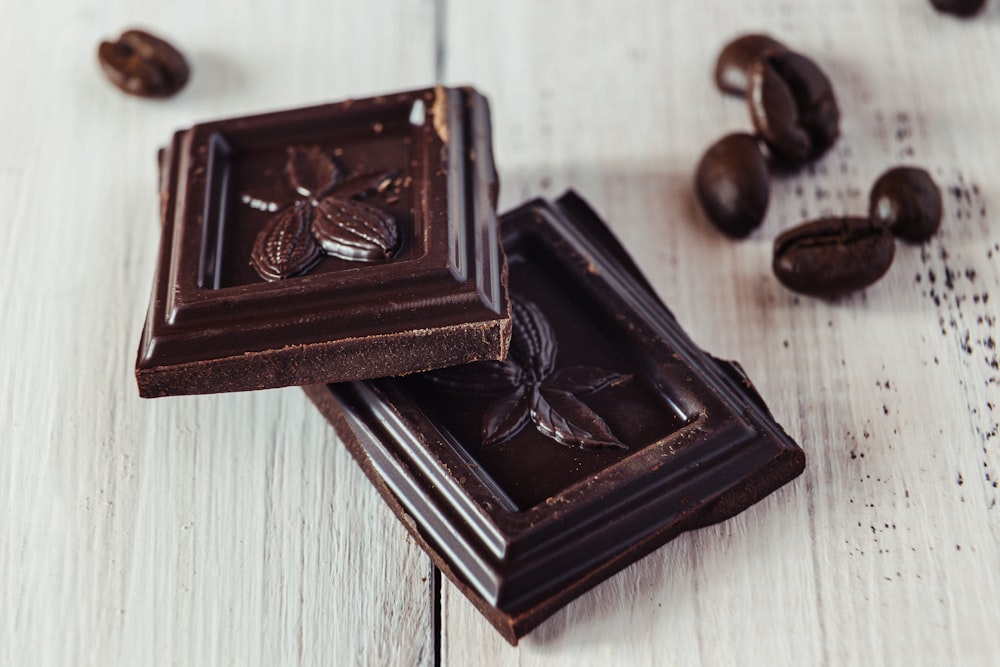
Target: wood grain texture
[[235, 529], [226, 530], [887, 550]]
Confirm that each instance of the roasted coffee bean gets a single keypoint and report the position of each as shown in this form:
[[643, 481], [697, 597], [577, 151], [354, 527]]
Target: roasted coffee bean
[[733, 185], [958, 7], [908, 202], [732, 69], [142, 64], [833, 256], [793, 106]]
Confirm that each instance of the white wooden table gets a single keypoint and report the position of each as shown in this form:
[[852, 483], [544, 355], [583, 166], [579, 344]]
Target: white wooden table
[[235, 530]]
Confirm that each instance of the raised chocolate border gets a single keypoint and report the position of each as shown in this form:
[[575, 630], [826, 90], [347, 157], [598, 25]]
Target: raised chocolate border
[[520, 567], [445, 305]]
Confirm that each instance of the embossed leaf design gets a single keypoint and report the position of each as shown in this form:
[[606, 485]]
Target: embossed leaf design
[[568, 420], [355, 231], [310, 170], [533, 343], [363, 185], [286, 247], [583, 380], [506, 417], [340, 225], [530, 391], [483, 378]]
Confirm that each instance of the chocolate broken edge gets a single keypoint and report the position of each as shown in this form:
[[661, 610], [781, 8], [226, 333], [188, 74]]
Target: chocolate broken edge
[[731, 474], [200, 340]]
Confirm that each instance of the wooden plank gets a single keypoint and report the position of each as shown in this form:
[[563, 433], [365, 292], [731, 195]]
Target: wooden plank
[[229, 530], [886, 551]]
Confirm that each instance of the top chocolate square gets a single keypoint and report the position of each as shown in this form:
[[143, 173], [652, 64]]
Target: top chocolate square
[[339, 242]]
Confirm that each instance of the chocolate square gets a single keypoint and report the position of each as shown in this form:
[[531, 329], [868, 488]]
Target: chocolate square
[[606, 433], [338, 242]]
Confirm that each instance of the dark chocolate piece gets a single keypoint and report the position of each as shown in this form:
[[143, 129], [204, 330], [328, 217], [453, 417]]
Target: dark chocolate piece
[[733, 184], [604, 435], [333, 243], [833, 256], [908, 202], [142, 64]]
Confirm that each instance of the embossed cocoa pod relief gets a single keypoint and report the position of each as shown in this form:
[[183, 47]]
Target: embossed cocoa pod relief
[[833, 256], [142, 64], [286, 247], [355, 231], [533, 343], [531, 390], [338, 222]]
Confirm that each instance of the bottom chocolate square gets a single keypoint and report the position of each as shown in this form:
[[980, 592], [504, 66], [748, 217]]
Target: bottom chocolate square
[[606, 433]]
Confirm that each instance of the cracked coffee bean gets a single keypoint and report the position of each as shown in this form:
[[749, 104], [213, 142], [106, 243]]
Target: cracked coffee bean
[[964, 8], [733, 185], [833, 256], [908, 202], [793, 106], [142, 64], [732, 69]]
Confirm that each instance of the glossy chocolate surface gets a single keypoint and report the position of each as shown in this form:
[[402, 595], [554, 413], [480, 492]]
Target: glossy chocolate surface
[[338, 242], [606, 433]]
